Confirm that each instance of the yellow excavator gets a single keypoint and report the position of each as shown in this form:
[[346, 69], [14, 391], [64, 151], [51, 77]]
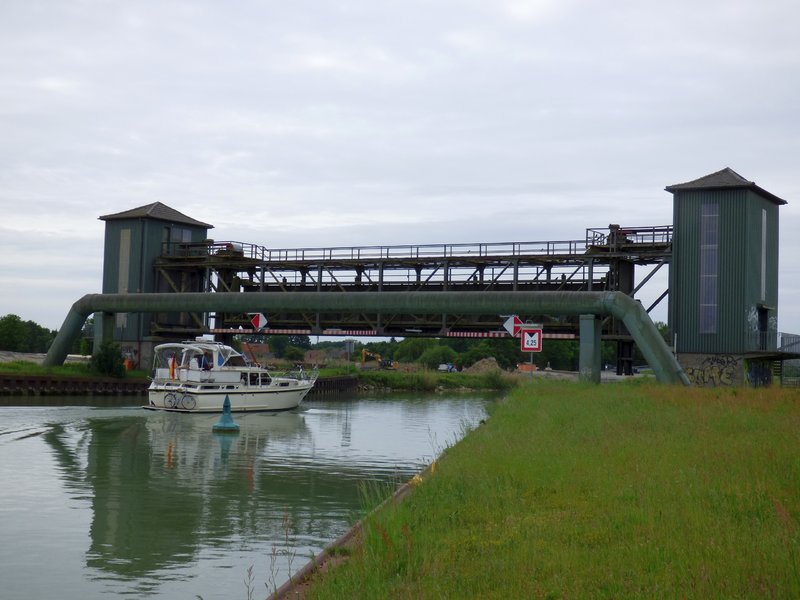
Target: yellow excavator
[[382, 363]]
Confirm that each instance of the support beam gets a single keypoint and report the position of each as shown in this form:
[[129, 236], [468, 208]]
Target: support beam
[[617, 304], [589, 358]]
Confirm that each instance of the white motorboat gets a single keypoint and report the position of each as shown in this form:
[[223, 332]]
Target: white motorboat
[[195, 376]]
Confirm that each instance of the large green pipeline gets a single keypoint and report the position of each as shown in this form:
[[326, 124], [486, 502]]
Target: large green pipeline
[[621, 306]]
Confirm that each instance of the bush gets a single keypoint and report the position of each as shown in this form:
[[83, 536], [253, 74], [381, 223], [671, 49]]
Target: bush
[[437, 355], [108, 361], [410, 349], [294, 353]]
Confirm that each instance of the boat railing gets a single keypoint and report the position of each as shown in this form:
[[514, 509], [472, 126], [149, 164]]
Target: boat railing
[[299, 372]]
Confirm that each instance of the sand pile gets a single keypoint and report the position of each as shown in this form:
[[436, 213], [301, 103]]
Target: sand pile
[[484, 365]]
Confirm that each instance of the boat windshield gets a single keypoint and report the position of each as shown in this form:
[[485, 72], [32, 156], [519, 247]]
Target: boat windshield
[[181, 354], [231, 358]]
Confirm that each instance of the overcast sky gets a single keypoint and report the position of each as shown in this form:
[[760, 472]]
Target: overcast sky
[[359, 122]]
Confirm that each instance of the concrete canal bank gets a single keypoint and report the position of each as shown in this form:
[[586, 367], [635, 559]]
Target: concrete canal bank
[[20, 384], [13, 384]]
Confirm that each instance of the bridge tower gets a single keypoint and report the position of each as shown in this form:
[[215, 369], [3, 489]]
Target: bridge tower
[[723, 301], [134, 239]]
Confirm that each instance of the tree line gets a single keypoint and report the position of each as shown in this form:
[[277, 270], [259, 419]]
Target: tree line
[[17, 335], [561, 355], [432, 352]]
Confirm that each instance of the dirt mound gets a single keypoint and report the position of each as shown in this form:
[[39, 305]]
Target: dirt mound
[[484, 365]]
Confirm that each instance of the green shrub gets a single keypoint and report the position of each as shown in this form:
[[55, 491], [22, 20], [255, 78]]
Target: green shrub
[[437, 355], [497, 380], [294, 353], [108, 361], [423, 381], [410, 349]]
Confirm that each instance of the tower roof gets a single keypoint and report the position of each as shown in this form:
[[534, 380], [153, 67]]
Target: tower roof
[[727, 178], [159, 211]]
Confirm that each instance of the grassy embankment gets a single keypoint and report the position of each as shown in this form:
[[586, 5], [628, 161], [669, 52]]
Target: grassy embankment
[[24, 367], [578, 491], [433, 380]]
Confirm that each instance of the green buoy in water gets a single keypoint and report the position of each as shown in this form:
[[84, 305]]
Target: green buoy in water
[[225, 423]]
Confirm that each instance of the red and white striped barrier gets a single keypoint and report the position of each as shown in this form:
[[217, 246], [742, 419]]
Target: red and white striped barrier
[[505, 334], [263, 331]]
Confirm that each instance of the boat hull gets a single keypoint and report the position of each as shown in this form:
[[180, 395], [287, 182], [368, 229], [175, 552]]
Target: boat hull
[[187, 399]]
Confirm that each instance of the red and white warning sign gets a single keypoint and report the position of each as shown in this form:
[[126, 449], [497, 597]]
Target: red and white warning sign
[[513, 324], [531, 339], [259, 321]]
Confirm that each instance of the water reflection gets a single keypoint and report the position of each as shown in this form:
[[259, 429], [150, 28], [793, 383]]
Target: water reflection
[[161, 483], [175, 509]]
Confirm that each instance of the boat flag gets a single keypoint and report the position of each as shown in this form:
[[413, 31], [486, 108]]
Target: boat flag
[[172, 363]]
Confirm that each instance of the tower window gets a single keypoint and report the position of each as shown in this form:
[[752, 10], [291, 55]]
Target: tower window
[[709, 265], [763, 255]]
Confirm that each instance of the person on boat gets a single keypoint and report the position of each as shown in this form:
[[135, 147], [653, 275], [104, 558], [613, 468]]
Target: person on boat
[[205, 362]]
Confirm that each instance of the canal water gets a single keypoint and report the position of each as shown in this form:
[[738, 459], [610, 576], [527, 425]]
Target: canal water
[[104, 501]]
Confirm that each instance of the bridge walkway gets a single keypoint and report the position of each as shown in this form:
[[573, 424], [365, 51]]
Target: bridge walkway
[[604, 259]]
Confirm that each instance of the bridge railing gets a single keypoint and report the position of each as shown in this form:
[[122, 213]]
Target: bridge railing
[[460, 272], [211, 248], [565, 276], [790, 372], [594, 237], [602, 236], [789, 342], [423, 251], [369, 253]]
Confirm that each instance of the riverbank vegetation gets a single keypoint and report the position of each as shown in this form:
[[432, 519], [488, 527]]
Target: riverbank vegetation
[[432, 380], [26, 367], [421, 353], [107, 362], [571, 490]]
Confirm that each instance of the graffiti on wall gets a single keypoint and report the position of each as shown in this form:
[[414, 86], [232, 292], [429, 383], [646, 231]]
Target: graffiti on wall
[[715, 370]]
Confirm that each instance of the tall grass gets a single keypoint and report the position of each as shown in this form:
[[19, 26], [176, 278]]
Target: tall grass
[[573, 490], [24, 367], [432, 380]]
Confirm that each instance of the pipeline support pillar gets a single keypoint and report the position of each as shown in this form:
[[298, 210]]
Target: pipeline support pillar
[[589, 358]]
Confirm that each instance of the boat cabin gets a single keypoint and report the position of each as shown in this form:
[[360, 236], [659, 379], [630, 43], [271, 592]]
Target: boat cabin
[[198, 361]]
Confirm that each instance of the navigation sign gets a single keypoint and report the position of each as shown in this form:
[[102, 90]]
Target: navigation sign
[[531, 340], [259, 321], [513, 325]]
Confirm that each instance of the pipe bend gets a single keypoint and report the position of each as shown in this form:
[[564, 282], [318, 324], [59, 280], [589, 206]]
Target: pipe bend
[[619, 304], [647, 336], [85, 304]]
